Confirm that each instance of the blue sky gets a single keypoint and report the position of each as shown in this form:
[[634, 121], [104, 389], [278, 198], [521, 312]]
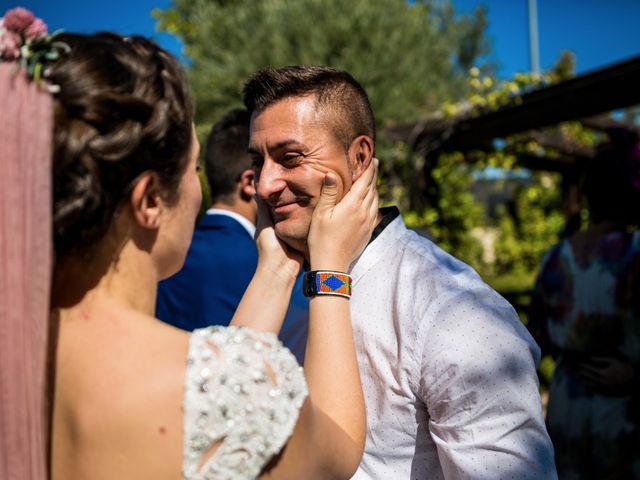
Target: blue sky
[[599, 32]]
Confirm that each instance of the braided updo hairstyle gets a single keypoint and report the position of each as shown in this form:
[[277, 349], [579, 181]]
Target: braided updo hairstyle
[[123, 108]]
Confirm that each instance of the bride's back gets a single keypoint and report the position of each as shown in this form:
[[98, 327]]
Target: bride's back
[[118, 403]]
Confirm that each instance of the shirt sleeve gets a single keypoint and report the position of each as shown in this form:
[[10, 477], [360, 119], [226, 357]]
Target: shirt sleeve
[[479, 383]]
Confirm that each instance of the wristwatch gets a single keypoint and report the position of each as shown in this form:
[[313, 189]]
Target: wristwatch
[[327, 282]]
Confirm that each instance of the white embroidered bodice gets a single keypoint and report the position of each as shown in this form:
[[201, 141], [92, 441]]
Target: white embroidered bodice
[[243, 393]]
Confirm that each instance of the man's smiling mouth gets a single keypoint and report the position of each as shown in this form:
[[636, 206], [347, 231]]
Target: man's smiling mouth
[[284, 208]]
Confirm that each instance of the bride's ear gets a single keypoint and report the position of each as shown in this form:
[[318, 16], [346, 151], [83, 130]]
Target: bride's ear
[[146, 201]]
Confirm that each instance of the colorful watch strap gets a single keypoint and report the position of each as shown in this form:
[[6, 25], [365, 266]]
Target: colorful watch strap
[[327, 282]]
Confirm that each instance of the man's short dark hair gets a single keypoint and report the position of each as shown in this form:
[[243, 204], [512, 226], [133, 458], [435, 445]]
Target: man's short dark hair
[[226, 154], [335, 90]]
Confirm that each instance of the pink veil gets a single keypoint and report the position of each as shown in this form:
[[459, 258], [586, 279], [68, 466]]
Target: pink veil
[[25, 272]]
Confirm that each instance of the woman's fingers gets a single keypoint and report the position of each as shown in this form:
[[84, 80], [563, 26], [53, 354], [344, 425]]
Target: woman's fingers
[[264, 216], [362, 198], [364, 183], [328, 195], [341, 229]]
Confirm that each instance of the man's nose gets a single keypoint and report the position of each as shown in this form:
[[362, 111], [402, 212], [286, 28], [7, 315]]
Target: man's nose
[[269, 181]]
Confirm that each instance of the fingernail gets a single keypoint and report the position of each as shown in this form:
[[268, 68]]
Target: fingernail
[[329, 181]]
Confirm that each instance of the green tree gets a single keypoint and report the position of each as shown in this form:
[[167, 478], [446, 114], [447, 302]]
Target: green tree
[[409, 56], [507, 248], [452, 224]]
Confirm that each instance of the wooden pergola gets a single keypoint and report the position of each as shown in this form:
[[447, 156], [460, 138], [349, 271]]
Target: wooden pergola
[[585, 98]]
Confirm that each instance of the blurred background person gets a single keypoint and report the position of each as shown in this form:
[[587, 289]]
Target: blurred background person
[[223, 256], [585, 312]]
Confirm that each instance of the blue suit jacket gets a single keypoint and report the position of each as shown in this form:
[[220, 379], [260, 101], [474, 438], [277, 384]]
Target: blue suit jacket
[[220, 263]]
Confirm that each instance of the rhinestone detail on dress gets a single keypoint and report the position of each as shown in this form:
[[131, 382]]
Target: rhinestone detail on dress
[[243, 394]]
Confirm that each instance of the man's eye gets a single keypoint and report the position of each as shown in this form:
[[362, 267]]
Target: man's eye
[[290, 158]]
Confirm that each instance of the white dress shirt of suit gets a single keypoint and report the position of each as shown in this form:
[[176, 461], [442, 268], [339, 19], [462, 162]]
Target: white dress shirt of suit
[[448, 370], [244, 221]]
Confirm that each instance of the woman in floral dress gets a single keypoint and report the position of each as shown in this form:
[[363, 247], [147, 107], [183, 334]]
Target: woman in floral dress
[[585, 311]]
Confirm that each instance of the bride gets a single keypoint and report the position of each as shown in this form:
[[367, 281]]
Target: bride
[[135, 398]]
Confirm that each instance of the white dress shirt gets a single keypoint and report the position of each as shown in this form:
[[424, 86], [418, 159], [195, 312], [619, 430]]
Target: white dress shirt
[[448, 370]]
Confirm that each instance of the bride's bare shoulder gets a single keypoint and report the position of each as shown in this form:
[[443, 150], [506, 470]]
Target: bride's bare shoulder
[[119, 371]]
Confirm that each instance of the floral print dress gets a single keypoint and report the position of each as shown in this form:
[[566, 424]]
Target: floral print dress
[[586, 303]]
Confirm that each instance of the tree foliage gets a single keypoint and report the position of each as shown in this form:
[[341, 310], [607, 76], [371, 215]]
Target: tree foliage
[[452, 223], [523, 228], [409, 56]]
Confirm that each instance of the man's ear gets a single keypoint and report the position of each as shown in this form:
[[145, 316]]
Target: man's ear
[[145, 201], [247, 185], [360, 154]]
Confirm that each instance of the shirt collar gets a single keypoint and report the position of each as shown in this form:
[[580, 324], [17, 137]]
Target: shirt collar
[[389, 214], [246, 224], [383, 243]]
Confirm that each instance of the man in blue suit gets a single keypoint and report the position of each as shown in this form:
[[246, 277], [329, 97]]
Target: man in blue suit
[[223, 257]]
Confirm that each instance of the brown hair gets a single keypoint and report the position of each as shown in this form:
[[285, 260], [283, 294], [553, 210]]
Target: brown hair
[[334, 89], [123, 109], [226, 155]]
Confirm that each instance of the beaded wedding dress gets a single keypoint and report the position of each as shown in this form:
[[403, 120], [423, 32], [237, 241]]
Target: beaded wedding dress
[[243, 393]]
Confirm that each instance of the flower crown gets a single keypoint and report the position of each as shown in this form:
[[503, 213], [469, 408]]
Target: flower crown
[[24, 39]]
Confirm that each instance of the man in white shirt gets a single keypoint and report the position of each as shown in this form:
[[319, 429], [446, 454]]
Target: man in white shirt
[[448, 370]]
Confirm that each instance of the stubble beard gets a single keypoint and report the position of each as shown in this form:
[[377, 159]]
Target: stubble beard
[[294, 236]]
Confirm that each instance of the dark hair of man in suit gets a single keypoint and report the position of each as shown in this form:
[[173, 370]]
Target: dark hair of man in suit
[[339, 96], [226, 155]]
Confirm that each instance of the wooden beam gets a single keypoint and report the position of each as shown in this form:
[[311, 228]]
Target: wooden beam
[[562, 164], [583, 96], [556, 142]]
